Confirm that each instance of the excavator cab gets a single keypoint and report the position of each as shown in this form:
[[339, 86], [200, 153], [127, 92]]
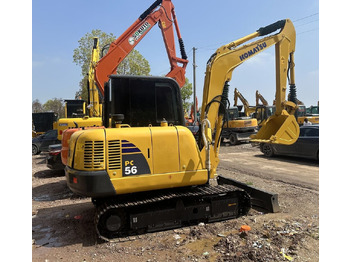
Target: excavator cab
[[262, 113], [143, 101]]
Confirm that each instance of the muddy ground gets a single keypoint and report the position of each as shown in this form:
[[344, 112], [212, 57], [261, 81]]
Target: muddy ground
[[63, 230]]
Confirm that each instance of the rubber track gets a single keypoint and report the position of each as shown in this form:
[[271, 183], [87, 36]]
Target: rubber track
[[150, 197]]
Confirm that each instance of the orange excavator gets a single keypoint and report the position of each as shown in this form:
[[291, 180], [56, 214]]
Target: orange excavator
[[120, 48], [161, 12]]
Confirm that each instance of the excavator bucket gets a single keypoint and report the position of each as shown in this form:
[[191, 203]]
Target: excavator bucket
[[281, 129]]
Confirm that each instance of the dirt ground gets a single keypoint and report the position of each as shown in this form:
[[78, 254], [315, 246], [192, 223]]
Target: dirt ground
[[63, 230]]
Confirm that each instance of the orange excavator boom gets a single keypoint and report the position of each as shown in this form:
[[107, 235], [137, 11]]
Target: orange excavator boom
[[121, 47]]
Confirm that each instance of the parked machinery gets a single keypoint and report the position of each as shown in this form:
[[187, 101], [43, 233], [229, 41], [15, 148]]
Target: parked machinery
[[311, 113], [262, 111], [42, 122], [239, 127]]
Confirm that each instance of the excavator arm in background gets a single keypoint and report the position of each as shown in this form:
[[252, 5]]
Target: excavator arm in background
[[95, 109], [280, 128], [247, 109], [259, 97], [121, 47]]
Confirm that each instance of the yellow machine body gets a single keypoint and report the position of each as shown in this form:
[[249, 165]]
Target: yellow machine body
[[65, 123], [141, 159], [242, 123], [315, 120]]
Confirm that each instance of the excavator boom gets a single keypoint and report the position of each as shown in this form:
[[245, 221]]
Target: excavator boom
[[121, 47], [280, 128], [95, 110]]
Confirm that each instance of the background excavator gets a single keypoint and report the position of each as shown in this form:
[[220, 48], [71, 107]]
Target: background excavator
[[262, 111], [259, 97], [239, 126], [311, 113], [145, 171], [93, 117], [165, 17], [42, 122], [248, 110], [100, 69]]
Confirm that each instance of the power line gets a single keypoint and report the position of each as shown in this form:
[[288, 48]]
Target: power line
[[305, 17], [307, 23], [211, 47], [307, 31]]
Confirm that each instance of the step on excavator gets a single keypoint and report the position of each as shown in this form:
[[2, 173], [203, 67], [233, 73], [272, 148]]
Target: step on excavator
[[145, 171]]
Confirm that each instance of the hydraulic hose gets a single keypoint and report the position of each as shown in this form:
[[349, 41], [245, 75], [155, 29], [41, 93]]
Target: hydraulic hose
[[271, 28], [182, 49], [149, 10], [206, 125]]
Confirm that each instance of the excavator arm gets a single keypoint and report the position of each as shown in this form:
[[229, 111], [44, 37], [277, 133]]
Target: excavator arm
[[121, 47], [280, 128], [247, 109], [260, 97], [95, 109]]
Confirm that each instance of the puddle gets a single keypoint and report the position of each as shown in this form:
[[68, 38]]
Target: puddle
[[50, 197], [43, 236]]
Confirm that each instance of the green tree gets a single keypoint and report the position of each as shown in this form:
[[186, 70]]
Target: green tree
[[55, 105], [133, 64], [186, 96], [82, 93], [36, 106], [82, 54]]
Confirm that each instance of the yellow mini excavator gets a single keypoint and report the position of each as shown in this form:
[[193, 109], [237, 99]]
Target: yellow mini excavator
[[145, 171], [239, 126]]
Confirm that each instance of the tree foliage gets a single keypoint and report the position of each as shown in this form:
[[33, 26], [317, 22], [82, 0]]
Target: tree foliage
[[186, 95], [37, 106], [134, 64], [54, 105], [82, 54]]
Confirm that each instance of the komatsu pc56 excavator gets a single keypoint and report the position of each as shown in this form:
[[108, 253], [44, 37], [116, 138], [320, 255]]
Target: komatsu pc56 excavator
[[145, 171]]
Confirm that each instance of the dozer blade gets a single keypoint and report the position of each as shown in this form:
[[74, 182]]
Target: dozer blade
[[263, 200], [281, 129]]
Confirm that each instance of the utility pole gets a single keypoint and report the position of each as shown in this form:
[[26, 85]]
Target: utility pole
[[194, 87]]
